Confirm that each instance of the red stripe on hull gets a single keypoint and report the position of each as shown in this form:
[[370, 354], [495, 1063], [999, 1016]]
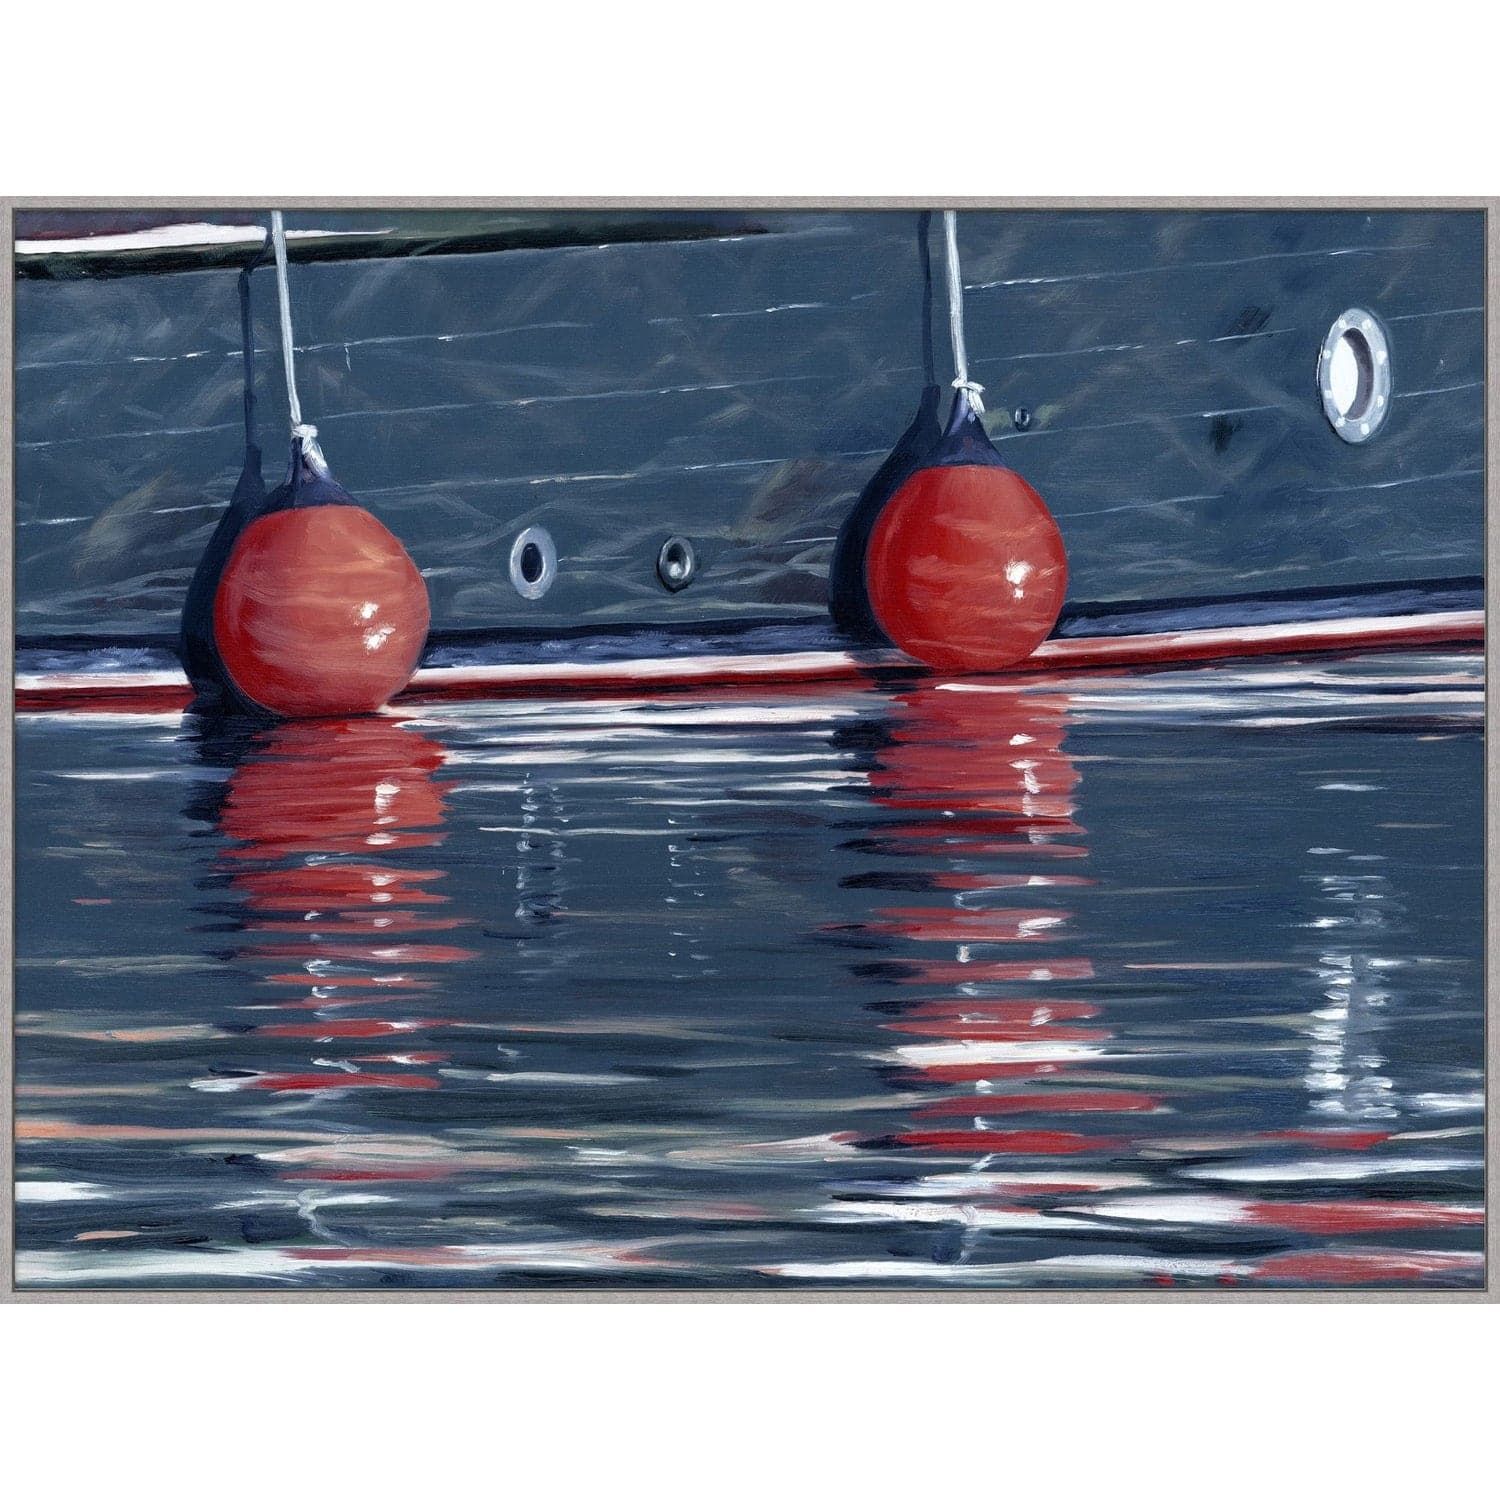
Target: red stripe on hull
[[168, 692]]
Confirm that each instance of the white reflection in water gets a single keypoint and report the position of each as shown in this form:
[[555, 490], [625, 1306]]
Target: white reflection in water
[[1344, 1065]]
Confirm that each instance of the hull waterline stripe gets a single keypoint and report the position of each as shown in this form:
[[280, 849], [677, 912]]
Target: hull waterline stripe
[[165, 692]]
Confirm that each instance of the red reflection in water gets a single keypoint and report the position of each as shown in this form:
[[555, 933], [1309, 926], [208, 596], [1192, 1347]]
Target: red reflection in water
[[1019, 926], [333, 887], [989, 792], [1332, 1139], [991, 752], [1344, 1218], [285, 1083], [1011, 1142], [321, 814], [1356, 1267], [360, 1027]]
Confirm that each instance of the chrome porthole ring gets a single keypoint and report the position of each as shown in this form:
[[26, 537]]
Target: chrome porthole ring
[[533, 562], [676, 563], [1354, 375]]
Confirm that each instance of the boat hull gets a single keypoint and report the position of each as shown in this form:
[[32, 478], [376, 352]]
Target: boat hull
[[1151, 374]]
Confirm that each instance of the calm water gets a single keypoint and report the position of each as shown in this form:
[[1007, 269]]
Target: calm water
[[1106, 982]]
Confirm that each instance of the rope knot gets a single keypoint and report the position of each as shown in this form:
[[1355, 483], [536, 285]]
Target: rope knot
[[974, 391], [306, 435]]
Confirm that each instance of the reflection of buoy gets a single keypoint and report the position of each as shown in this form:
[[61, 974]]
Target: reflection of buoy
[[304, 792], [965, 568], [320, 611], [980, 765]]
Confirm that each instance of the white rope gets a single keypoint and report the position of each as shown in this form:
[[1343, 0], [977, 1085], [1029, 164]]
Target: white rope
[[305, 431], [956, 316]]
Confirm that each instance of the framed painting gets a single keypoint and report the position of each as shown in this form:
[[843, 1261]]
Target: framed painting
[[736, 749]]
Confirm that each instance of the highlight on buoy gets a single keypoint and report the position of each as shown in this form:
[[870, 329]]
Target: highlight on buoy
[[318, 610], [965, 568]]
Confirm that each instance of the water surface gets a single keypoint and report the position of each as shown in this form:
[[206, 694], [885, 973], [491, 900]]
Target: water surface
[[1107, 981]]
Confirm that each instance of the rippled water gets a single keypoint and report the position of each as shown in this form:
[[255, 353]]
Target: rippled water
[[1107, 981]]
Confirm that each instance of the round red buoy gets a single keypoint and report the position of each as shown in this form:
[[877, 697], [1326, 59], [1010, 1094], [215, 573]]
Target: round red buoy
[[320, 611], [966, 569]]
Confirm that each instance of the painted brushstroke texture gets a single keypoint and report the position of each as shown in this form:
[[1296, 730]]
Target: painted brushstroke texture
[[1110, 980], [740, 390]]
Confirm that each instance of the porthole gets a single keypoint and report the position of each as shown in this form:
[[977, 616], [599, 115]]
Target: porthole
[[533, 562], [1354, 375], [676, 563]]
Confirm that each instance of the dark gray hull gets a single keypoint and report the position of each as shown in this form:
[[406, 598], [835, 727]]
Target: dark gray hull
[[739, 390]]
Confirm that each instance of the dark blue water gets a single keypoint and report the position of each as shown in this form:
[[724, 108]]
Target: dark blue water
[[1100, 982]]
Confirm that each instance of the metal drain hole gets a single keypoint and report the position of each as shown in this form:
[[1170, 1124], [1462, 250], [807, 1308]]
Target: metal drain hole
[[676, 563], [533, 562]]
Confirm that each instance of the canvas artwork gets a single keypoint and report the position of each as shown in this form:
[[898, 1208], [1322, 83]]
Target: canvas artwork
[[727, 750]]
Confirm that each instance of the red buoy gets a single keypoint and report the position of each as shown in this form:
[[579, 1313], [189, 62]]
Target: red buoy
[[966, 569], [320, 611]]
